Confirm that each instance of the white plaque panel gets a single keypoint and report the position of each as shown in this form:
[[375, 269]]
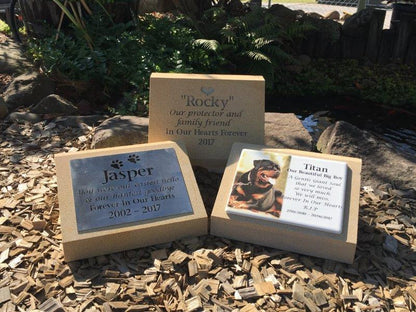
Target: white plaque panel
[[302, 191]]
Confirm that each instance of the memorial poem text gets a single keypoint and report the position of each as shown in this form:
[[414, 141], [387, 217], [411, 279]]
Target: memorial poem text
[[118, 189]]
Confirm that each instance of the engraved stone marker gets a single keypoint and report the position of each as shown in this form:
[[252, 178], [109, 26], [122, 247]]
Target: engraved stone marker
[[125, 196], [299, 201], [207, 112], [128, 187]]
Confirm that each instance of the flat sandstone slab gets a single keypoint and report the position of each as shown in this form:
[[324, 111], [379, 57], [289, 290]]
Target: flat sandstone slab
[[288, 199], [285, 130], [121, 198], [12, 59], [207, 112]]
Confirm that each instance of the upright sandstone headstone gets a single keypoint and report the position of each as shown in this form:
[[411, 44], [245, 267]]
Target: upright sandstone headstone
[[299, 201], [116, 199], [207, 112]]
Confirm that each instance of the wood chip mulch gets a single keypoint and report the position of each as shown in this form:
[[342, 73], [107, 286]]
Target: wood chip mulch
[[5, 80], [195, 274], [3, 37]]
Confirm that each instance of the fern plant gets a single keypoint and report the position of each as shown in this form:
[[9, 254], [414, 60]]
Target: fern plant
[[254, 43]]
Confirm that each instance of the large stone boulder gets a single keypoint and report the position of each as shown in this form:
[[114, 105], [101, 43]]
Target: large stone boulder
[[286, 131], [333, 15], [80, 121], [54, 105], [24, 117], [3, 108], [121, 130], [285, 15], [12, 59], [26, 90], [381, 162]]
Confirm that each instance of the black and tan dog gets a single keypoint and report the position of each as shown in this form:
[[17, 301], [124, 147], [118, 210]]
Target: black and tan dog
[[254, 189]]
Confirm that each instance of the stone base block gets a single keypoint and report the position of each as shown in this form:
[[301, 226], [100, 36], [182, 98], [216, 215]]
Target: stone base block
[[300, 239], [115, 199]]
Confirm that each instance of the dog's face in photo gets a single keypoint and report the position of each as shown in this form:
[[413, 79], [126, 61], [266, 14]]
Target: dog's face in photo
[[265, 173]]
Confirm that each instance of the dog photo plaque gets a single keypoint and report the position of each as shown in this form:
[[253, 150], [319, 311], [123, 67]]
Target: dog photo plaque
[[288, 199], [126, 197], [298, 190], [207, 112]]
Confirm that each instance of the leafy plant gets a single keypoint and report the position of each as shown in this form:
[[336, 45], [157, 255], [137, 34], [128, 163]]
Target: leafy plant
[[4, 27], [391, 85], [123, 56], [254, 43], [73, 10]]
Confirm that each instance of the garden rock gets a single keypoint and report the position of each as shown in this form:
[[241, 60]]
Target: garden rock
[[285, 15], [27, 89], [80, 121], [23, 117], [85, 107], [329, 30], [121, 130], [333, 15], [381, 162], [286, 131], [11, 58], [54, 105], [345, 16], [315, 15], [3, 108]]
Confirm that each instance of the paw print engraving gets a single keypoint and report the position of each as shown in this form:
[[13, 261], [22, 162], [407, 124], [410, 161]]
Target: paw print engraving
[[133, 158], [117, 164]]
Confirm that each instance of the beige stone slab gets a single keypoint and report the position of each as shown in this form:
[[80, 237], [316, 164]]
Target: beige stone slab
[[208, 112], [285, 130], [78, 244], [300, 239]]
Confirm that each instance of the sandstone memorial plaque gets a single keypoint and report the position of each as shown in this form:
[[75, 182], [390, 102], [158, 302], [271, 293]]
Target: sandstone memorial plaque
[[207, 112], [299, 201], [127, 197]]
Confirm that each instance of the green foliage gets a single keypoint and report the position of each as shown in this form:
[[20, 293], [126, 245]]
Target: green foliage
[[254, 43], [120, 58], [392, 85], [211, 45], [124, 55], [4, 28]]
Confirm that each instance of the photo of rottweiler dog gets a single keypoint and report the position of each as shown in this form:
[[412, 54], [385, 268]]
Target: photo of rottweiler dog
[[254, 189]]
